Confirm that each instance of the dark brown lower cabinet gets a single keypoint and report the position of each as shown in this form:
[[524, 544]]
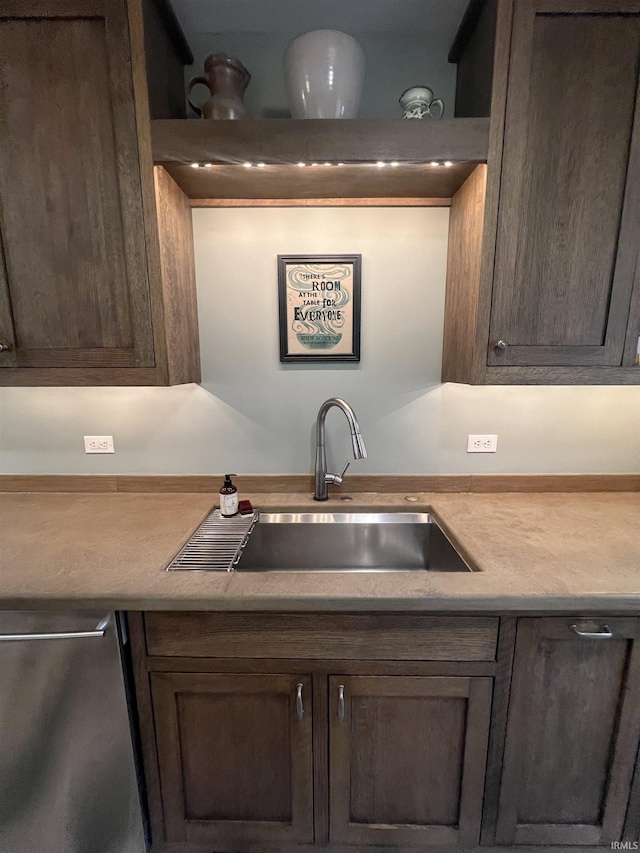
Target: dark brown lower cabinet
[[248, 749], [235, 757], [572, 732], [407, 759], [632, 825]]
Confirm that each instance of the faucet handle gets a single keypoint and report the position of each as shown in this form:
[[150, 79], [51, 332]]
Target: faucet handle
[[336, 479], [344, 471]]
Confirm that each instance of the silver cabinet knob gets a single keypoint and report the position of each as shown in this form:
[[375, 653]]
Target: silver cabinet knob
[[4, 347], [501, 345]]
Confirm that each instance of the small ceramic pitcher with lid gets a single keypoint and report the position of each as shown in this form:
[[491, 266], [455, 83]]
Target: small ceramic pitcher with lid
[[227, 80], [418, 102]]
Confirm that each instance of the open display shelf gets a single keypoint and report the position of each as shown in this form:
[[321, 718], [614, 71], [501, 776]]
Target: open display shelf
[[354, 159]]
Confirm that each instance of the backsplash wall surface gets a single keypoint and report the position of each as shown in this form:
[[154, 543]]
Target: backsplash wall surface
[[254, 415]]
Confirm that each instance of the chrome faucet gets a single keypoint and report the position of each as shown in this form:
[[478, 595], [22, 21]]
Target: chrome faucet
[[359, 450]]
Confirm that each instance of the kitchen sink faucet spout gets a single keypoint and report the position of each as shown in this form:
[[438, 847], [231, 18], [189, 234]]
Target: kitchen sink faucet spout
[[323, 479]]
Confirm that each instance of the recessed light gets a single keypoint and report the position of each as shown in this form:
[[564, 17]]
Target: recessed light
[[208, 165], [448, 164], [302, 165], [327, 164], [434, 163], [340, 164], [195, 165], [314, 164], [380, 164], [248, 165], [260, 165], [394, 164]]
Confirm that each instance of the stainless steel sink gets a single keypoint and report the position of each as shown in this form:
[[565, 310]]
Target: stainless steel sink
[[348, 542]]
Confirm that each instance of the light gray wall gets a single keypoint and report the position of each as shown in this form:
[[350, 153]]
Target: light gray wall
[[255, 415], [395, 61]]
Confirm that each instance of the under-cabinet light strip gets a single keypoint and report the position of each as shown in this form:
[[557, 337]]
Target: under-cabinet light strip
[[380, 164]]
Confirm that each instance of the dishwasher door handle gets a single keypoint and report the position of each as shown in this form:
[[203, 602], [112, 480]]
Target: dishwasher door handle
[[99, 631]]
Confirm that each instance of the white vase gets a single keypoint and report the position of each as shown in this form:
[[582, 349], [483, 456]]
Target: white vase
[[324, 73]]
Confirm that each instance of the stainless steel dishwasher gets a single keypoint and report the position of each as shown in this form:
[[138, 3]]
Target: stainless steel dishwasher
[[68, 781]]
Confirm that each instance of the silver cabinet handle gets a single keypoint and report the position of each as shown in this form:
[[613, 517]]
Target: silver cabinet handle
[[341, 702], [605, 634], [299, 705], [4, 347], [99, 631]]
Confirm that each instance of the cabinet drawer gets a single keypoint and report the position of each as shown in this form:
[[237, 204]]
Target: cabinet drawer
[[402, 636]]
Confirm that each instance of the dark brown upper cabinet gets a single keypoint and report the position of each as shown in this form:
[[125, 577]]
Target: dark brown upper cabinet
[[572, 732], [96, 258], [543, 279]]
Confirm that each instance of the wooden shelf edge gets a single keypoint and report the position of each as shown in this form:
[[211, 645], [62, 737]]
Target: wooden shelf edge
[[287, 141], [303, 483], [417, 149]]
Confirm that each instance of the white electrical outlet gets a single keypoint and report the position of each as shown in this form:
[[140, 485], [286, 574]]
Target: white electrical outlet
[[99, 444], [482, 443]]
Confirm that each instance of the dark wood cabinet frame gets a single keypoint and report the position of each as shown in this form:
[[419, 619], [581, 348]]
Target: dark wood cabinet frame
[[167, 688], [462, 668], [603, 705], [473, 694], [484, 216], [107, 294], [492, 678]]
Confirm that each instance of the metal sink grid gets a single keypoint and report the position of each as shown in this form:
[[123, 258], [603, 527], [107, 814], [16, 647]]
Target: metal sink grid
[[216, 545]]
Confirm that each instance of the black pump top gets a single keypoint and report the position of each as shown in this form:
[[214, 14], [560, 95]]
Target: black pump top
[[227, 481]]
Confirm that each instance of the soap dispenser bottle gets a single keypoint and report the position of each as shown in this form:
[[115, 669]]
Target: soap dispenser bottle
[[228, 497]]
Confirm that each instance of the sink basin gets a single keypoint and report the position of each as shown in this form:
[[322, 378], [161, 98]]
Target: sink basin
[[348, 542]]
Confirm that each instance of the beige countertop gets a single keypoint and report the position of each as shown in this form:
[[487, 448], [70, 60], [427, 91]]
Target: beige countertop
[[557, 551], [551, 552]]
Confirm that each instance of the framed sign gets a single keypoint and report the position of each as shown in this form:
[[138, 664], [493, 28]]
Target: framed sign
[[319, 300]]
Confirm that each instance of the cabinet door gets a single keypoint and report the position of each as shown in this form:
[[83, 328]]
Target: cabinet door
[[572, 732], [407, 759], [74, 289], [569, 215], [632, 825], [235, 757]]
